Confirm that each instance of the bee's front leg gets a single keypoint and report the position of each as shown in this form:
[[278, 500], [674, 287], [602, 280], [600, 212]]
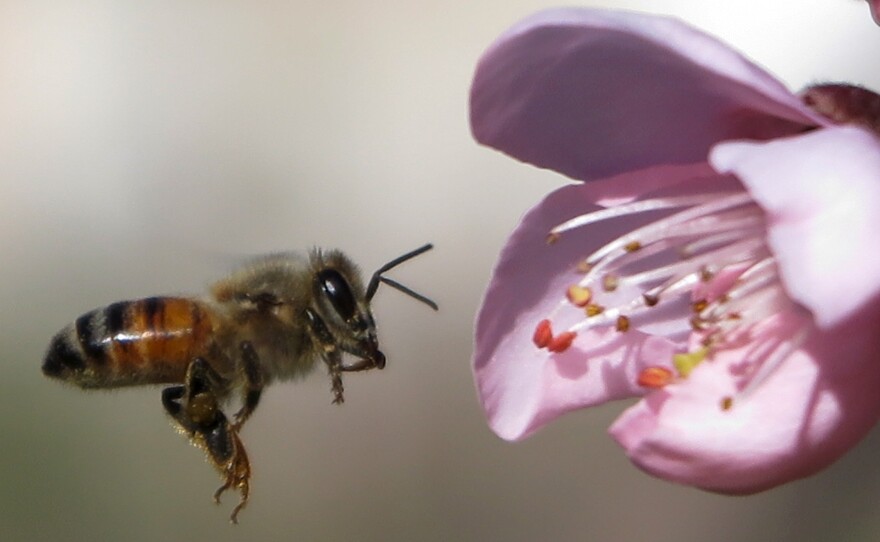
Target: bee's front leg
[[331, 355], [334, 366], [196, 411]]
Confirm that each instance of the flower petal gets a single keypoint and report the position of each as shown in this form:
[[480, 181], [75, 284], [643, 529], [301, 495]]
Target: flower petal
[[875, 10], [820, 402], [523, 387], [822, 193], [593, 93]]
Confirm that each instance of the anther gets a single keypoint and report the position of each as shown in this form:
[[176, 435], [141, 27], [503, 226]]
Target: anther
[[650, 300], [561, 342], [552, 238], [711, 339], [632, 246], [579, 295], [726, 403], [706, 274], [543, 334], [622, 323], [594, 310], [699, 305], [609, 282], [655, 377], [584, 267], [687, 362]]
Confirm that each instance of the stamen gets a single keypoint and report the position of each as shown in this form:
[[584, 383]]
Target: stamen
[[561, 342], [706, 274], [774, 361], [750, 300], [543, 334], [699, 245], [729, 316], [672, 286], [594, 310], [706, 259], [609, 282], [747, 250], [583, 267], [661, 228], [637, 207], [655, 377], [578, 295], [739, 252], [685, 363]]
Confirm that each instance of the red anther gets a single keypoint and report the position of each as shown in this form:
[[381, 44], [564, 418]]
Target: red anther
[[543, 334], [655, 377], [561, 342]]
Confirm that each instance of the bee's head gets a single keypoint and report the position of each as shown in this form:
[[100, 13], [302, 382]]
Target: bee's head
[[340, 315]]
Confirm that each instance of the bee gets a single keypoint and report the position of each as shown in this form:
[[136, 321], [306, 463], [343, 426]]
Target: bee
[[273, 319]]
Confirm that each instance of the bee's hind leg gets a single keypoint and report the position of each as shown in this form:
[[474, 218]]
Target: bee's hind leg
[[196, 412]]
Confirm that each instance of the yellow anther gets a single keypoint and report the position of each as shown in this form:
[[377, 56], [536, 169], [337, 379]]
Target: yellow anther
[[579, 295], [685, 363]]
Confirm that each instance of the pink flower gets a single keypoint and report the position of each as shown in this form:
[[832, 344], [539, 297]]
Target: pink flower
[[875, 10], [723, 267]]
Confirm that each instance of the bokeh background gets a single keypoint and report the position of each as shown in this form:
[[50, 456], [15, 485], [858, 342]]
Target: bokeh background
[[147, 147]]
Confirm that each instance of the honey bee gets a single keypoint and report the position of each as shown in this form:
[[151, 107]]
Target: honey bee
[[273, 319]]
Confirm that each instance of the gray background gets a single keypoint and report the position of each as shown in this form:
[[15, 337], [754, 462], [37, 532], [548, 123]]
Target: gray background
[[145, 150]]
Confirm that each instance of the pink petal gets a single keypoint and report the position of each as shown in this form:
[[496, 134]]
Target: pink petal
[[523, 387], [822, 192], [820, 402], [593, 93], [875, 10]]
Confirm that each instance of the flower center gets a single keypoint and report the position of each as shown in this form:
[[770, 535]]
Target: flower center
[[705, 265]]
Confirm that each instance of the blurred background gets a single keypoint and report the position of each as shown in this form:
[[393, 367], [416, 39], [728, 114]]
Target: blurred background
[[147, 149]]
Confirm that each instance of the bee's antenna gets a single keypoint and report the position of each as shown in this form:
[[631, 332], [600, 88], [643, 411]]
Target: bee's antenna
[[377, 277]]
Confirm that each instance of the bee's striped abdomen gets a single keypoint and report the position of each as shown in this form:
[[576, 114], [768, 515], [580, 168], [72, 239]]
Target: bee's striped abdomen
[[145, 341]]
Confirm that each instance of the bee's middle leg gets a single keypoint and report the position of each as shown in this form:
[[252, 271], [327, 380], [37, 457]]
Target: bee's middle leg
[[195, 409], [254, 382]]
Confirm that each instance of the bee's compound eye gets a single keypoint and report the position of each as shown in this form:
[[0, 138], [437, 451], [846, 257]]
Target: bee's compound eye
[[336, 289]]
